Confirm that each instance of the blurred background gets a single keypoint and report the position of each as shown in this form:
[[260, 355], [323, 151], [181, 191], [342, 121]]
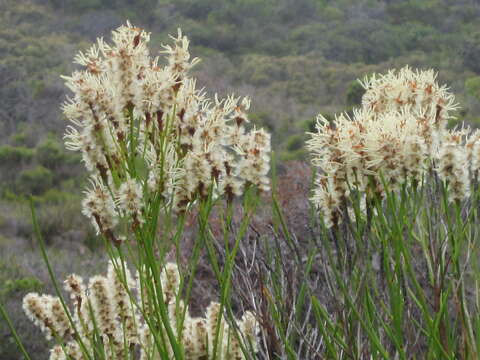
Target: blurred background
[[295, 58]]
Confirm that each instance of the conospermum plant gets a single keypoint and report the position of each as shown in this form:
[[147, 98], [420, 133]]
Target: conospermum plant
[[390, 271], [155, 146], [398, 136], [106, 325], [147, 135], [397, 194]]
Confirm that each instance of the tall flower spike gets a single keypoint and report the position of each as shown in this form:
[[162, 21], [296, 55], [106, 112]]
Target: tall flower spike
[[121, 284], [255, 165], [170, 279], [452, 166], [99, 206], [103, 306], [47, 312], [129, 200]]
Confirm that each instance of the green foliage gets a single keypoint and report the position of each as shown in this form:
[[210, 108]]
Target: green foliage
[[295, 149], [355, 93], [295, 142], [91, 5], [263, 70], [15, 155], [470, 51], [23, 285], [50, 153], [424, 12], [299, 154], [18, 138], [7, 271], [14, 283], [35, 181], [263, 119], [25, 171], [55, 196], [472, 87], [198, 9]]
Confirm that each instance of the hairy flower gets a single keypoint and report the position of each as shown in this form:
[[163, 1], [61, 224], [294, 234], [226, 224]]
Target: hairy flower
[[108, 312], [452, 166], [99, 206], [47, 312], [397, 135], [129, 199], [416, 90], [254, 166], [145, 130]]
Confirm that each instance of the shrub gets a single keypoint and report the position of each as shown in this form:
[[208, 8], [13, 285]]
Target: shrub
[[355, 93], [50, 154], [383, 265], [35, 181], [26, 284], [472, 86], [387, 179], [15, 282], [295, 142], [15, 155], [149, 161]]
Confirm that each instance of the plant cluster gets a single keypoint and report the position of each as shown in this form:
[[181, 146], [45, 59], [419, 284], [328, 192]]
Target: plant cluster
[[145, 132], [154, 146], [398, 136], [104, 305], [388, 270]]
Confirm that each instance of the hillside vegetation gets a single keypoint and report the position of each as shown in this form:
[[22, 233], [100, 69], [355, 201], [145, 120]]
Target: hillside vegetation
[[294, 58]]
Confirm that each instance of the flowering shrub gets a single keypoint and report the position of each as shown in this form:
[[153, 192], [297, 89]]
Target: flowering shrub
[[105, 305], [398, 135], [154, 145], [398, 194], [147, 133], [397, 279]]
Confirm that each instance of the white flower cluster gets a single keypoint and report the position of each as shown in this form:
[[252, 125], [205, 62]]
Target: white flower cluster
[[145, 131], [397, 135], [108, 311], [203, 338]]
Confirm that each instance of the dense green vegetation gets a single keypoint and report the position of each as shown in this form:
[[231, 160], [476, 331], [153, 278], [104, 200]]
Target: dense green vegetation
[[296, 58]]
